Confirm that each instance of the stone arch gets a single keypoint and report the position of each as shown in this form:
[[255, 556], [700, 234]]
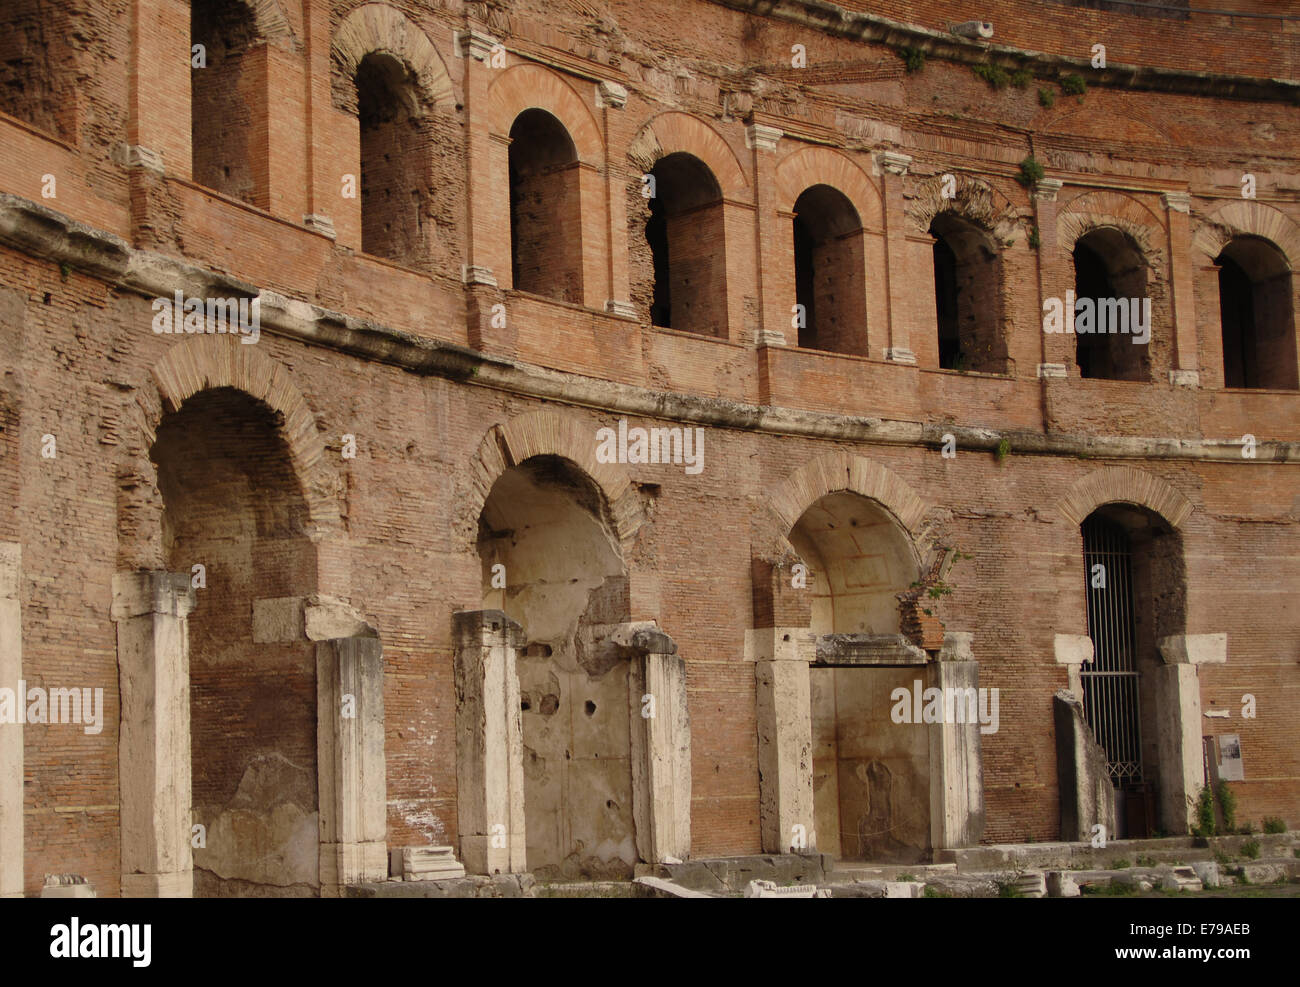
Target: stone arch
[[527, 86], [1096, 209], [1248, 217], [811, 166], [975, 200], [843, 471], [206, 362], [674, 131], [377, 27], [546, 433], [1124, 485]]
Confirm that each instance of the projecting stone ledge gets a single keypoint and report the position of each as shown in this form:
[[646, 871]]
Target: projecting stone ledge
[[868, 649]]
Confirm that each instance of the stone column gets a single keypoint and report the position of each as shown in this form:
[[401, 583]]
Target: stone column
[[775, 234], [660, 743], [781, 657], [1057, 348], [893, 167], [956, 756], [1178, 724], [11, 734], [350, 762], [489, 743], [1186, 365], [150, 609]]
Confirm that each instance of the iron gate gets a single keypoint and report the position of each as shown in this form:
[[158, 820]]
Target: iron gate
[[1110, 682]]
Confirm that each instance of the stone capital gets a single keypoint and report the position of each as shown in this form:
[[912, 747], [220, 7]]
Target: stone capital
[[893, 162], [763, 137], [1073, 649], [321, 224], [624, 310], [1194, 649], [1177, 201], [478, 274], [900, 354], [1185, 378], [611, 94], [1047, 188], [139, 156], [475, 44], [151, 592], [1051, 370]]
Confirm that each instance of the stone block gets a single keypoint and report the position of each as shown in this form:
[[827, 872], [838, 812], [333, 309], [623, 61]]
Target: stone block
[[278, 620], [67, 886], [904, 889], [1061, 885]]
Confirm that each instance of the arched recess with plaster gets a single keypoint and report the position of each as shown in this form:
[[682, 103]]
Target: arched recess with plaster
[[549, 159], [1115, 247], [225, 505]]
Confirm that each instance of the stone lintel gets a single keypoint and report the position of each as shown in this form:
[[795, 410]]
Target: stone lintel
[[481, 629], [1194, 649], [780, 644], [869, 649]]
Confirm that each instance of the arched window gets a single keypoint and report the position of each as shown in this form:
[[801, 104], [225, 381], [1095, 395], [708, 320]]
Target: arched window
[[1136, 593], [221, 105], [1111, 295], [967, 297], [395, 149], [545, 211], [686, 236], [828, 271], [1256, 315]]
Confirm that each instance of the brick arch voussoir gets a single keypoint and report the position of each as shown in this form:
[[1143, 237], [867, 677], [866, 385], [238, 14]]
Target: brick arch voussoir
[[1248, 218], [811, 166], [842, 471], [377, 27], [1124, 485], [272, 24], [207, 362], [527, 86], [1094, 210], [546, 433], [674, 131], [975, 200]]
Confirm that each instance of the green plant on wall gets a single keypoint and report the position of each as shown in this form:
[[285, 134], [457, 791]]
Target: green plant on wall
[[1031, 172], [1073, 85], [1227, 805], [913, 58], [1046, 98]]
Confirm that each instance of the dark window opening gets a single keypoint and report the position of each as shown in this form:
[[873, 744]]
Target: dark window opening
[[828, 266], [222, 99], [394, 152], [1108, 270], [545, 212], [1256, 316], [967, 297], [686, 236]]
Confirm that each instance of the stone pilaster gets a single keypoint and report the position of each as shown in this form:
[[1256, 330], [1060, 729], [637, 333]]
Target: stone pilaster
[[1058, 356], [11, 734], [893, 168], [1185, 371], [350, 761], [489, 742], [151, 610], [1178, 724], [660, 745], [956, 759], [781, 657]]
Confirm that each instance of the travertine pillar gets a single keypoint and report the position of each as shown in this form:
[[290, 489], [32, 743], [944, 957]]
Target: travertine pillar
[[775, 230], [1057, 348], [1178, 725], [612, 98], [150, 609], [781, 657], [893, 167], [1186, 365], [660, 746], [489, 742], [350, 760], [956, 760], [11, 734]]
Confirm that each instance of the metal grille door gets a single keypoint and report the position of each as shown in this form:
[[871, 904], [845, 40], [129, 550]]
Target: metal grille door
[[1110, 682]]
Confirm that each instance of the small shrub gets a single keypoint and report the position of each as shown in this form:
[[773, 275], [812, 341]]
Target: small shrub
[[935, 893], [1046, 98], [1227, 805], [995, 75], [1250, 849], [1246, 828], [1073, 85], [1121, 864], [905, 877], [1035, 241], [1021, 78], [1031, 172], [913, 59], [1221, 858], [1147, 861], [1296, 854], [1272, 824], [1008, 889], [1205, 821], [1003, 450]]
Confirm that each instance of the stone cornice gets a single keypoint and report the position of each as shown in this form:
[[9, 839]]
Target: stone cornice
[[41, 232], [860, 26]]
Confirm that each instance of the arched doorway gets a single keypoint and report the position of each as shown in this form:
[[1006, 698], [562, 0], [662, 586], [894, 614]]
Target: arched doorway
[[871, 784]]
